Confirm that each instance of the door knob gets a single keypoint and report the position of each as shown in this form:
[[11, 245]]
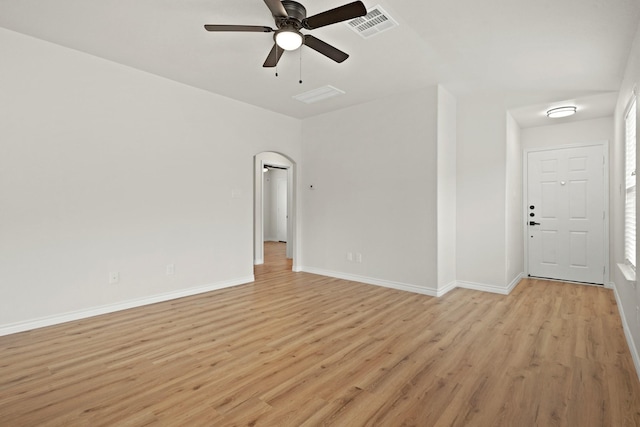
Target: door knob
[[533, 223]]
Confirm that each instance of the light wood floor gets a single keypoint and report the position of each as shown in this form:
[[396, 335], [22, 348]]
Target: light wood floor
[[299, 349]]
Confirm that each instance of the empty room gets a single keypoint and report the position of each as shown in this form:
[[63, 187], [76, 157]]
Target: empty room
[[289, 213]]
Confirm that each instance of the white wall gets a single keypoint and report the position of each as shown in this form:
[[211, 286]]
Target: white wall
[[481, 201], [627, 293], [583, 131], [105, 168], [446, 188], [514, 239], [373, 170]]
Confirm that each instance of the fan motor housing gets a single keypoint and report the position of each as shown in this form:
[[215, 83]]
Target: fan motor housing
[[295, 10]]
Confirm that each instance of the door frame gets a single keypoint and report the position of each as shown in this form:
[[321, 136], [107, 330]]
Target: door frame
[[525, 198], [275, 159]]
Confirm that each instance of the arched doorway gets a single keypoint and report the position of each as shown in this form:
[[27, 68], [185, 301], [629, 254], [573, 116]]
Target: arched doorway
[[272, 160]]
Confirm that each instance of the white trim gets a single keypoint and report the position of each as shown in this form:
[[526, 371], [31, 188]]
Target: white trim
[[372, 281], [413, 288], [446, 288], [502, 290], [42, 322], [627, 332], [606, 190], [604, 142], [627, 271], [258, 261], [514, 282]]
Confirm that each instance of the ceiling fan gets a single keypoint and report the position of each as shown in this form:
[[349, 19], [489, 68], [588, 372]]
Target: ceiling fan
[[290, 17]]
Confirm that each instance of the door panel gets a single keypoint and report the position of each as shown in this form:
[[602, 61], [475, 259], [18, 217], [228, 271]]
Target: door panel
[[566, 197], [549, 240], [578, 199], [578, 249]]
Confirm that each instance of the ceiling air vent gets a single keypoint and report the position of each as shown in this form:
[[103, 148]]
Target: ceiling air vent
[[374, 22], [319, 94]]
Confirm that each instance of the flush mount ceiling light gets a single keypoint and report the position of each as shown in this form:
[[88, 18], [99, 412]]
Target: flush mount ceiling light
[[288, 38], [555, 113]]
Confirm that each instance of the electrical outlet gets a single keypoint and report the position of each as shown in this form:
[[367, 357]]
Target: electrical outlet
[[350, 256], [170, 270], [358, 257], [114, 277]]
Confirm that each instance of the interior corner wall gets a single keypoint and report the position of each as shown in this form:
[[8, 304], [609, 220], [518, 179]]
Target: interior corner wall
[[373, 172], [446, 189], [514, 233], [481, 201], [105, 168], [627, 293]]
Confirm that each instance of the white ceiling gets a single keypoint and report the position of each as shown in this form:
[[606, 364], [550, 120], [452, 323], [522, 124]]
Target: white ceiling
[[535, 54]]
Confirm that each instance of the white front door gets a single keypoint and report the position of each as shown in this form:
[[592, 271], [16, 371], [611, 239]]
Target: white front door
[[565, 214]]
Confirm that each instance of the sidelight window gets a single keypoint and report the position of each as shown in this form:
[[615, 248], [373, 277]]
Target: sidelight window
[[630, 185]]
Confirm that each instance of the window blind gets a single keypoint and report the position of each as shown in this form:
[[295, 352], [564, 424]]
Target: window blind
[[630, 185]]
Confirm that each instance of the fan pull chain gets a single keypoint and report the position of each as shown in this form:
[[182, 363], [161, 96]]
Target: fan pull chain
[[300, 65], [276, 59]]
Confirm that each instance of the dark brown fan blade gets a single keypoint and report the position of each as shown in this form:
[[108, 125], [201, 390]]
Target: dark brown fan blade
[[249, 28], [324, 48], [274, 56], [276, 8], [339, 14]]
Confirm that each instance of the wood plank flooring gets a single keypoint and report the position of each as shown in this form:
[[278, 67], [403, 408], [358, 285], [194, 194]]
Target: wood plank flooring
[[296, 349]]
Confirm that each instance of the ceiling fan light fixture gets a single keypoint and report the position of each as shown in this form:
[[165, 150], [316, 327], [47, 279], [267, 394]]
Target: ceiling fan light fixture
[[288, 39], [565, 111]]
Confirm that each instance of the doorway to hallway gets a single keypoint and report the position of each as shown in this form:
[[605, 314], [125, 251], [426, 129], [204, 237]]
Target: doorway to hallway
[[275, 208], [275, 259]]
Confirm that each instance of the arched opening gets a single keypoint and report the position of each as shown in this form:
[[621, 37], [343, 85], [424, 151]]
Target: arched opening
[[280, 167]]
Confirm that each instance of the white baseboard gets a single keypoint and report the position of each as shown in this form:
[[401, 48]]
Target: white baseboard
[[515, 282], [372, 281], [42, 322], [483, 287], [413, 288], [446, 288], [627, 333], [258, 261], [502, 290]]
